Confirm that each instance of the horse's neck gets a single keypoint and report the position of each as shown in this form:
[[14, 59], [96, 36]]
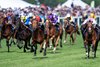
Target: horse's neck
[[1, 20], [67, 22]]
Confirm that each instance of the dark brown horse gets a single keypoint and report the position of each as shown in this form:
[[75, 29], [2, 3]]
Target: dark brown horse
[[69, 29], [1, 24], [38, 37], [91, 39], [22, 33], [53, 34], [6, 32]]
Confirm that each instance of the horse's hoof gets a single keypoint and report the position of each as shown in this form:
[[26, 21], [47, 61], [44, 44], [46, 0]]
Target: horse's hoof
[[40, 51], [64, 41], [10, 45], [24, 50], [27, 48], [61, 46], [44, 54], [14, 43], [19, 47], [31, 50], [50, 47], [86, 54]]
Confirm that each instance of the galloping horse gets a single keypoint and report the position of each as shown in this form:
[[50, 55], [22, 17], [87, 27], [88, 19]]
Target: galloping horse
[[22, 33], [69, 29], [38, 37], [1, 21], [53, 34], [6, 32], [91, 38]]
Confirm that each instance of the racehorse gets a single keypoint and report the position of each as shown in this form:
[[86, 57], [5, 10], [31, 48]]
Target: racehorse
[[1, 24], [71, 30], [38, 37], [6, 32], [91, 38], [54, 34], [22, 33]]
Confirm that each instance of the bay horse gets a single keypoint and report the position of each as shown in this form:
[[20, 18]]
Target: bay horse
[[53, 34], [1, 24], [6, 32], [38, 37], [22, 33], [91, 39], [69, 29]]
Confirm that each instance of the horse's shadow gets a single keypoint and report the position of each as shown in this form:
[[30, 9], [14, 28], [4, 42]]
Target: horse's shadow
[[52, 49], [51, 52], [43, 57], [7, 52], [89, 58]]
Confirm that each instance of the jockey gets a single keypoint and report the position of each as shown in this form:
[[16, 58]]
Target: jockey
[[69, 18], [84, 17], [23, 17], [91, 18], [42, 17], [53, 18], [9, 17], [28, 20]]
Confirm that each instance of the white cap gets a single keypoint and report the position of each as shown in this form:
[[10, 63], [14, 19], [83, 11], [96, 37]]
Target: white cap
[[30, 14], [68, 15]]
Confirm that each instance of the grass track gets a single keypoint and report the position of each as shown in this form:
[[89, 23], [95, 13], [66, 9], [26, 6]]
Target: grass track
[[68, 56]]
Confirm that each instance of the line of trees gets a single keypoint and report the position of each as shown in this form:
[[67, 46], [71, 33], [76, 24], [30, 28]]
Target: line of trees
[[53, 3]]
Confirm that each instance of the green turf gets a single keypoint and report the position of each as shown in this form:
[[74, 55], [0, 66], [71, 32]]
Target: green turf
[[68, 56]]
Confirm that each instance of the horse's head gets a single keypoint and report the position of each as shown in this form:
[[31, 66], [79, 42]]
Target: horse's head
[[34, 24], [89, 27], [47, 23], [7, 29]]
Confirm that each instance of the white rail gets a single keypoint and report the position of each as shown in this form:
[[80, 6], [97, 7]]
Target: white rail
[[79, 20]]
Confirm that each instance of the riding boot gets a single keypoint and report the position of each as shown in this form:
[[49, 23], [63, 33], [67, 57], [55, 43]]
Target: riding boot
[[97, 28], [42, 27], [57, 26], [74, 24]]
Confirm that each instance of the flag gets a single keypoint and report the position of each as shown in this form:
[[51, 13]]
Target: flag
[[93, 4]]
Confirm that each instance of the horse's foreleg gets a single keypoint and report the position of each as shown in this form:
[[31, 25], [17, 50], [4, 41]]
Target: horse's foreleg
[[56, 43], [61, 36], [94, 48], [41, 47], [88, 51], [0, 42], [11, 41], [65, 37], [44, 47], [7, 43], [71, 38], [26, 46], [51, 39], [74, 36], [35, 49], [0, 39]]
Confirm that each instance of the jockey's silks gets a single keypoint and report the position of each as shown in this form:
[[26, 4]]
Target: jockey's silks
[[27, 22]]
